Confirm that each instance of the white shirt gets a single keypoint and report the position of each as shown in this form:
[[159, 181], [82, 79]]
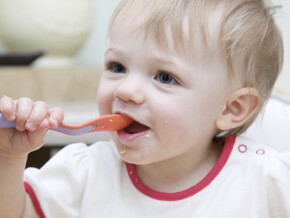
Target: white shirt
[[248, 180]]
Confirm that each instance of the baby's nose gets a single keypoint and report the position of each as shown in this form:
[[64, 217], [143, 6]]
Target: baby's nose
[[130, 90]]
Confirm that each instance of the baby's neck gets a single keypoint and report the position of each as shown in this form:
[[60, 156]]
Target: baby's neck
[[176, 174]]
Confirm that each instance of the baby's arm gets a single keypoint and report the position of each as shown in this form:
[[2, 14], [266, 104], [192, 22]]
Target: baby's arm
[[32, 120]]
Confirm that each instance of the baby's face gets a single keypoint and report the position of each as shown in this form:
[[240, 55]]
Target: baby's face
[[174, 97]]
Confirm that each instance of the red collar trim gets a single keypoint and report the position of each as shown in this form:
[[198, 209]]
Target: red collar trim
[[229, 144], [34, 200]]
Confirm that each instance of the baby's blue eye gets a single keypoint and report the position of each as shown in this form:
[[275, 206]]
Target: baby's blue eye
[[165, 78], [118, 68]]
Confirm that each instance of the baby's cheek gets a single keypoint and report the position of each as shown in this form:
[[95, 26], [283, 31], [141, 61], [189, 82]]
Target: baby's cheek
[[104, 101], [104, 107]]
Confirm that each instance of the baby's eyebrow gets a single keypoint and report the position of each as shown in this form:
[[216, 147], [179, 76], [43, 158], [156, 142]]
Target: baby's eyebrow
[[154, 58], [164, 60], [114, 50]]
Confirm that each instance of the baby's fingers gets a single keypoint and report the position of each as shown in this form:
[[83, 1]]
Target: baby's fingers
[[7, 108], [36, 139], [27, 141], [56, 116], [38, 114], [23, 111]]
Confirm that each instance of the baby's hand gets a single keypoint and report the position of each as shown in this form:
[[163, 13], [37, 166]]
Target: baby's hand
[[32, 121]]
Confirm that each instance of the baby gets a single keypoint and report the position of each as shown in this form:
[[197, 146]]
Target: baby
[[193, 75]]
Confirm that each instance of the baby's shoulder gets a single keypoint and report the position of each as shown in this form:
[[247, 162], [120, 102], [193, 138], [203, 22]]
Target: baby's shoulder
[[267, 160], [81, 155], [104, 154], [264, 173], [98, 148], [102, 147]]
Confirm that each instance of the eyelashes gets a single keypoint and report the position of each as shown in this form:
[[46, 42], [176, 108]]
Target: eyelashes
[[165, 78], [116, 67], [161, 76]]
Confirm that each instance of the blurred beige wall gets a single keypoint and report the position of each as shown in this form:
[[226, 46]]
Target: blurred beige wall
[[92, 53], [283, 19]]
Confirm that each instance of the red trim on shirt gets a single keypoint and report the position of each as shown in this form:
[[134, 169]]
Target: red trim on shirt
[[229, 144], [34, 199]]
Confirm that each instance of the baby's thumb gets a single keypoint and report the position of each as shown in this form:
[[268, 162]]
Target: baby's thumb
[[36, 139]]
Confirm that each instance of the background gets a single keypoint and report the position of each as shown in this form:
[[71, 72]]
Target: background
[[91, 55]]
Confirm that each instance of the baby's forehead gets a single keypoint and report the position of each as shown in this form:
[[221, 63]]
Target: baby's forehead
[[173, 24]]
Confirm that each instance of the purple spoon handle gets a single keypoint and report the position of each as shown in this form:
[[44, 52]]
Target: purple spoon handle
[[5, 123], [81, 131]]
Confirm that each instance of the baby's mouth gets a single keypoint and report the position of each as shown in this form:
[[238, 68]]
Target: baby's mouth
[[135, 127]]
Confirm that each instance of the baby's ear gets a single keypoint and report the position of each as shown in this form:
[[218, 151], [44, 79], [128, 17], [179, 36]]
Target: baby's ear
[[240, 106]]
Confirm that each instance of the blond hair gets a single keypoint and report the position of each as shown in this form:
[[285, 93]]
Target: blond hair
[[247, 35]]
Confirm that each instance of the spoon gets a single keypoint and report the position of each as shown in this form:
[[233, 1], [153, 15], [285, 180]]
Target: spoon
[[111, 122]]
